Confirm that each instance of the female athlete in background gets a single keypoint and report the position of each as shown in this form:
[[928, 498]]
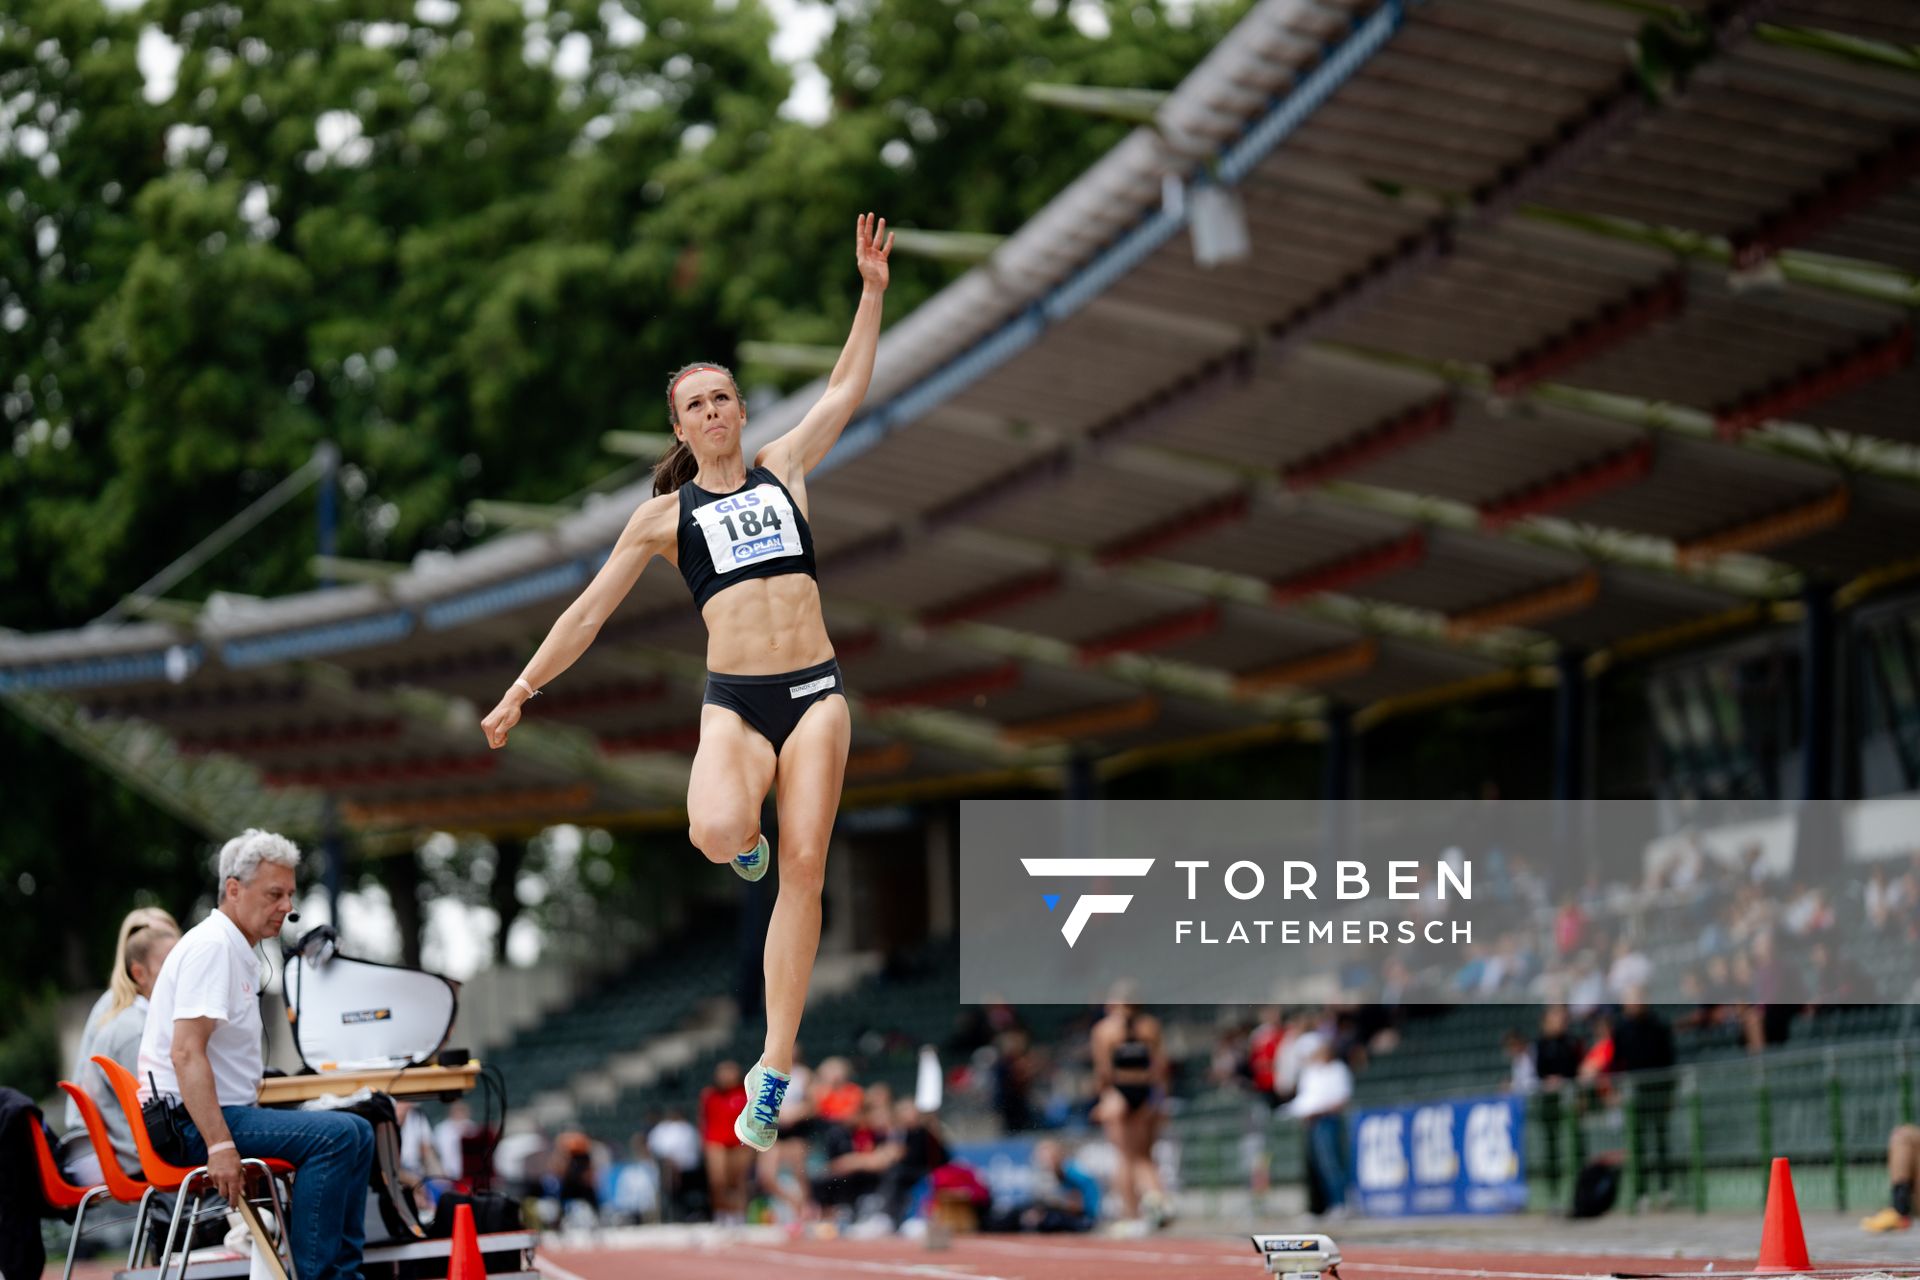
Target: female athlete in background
[[775, 714], [1130, 1069]]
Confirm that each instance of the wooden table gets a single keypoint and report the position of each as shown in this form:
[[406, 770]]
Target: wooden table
[[401, 1082]]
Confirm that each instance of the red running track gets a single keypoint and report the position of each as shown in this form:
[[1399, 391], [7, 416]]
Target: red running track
[[1081, 1258]]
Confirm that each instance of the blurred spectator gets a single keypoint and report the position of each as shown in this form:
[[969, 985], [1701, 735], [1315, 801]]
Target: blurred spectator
[[1885, 900], [635, 1193], [1643, 1050], [520, 1161], [450, 1138], [1631, 969], [1064, 1197], [1131, 1074], [728, 1160], [1588, 989], [837, 1098], [1013, 1074], [1556, 1061], [1777, 994], [1903, 1171], [113, 1030], [419, 1159], [1522, 1077], [1263, 1051], [1302, 1041], [1569, 927], [575, 1180], [675, 1143], [858, 1154], [1325, 1088], [916, 1135], [1596, 1066], [1808, 912], [1834, 979]]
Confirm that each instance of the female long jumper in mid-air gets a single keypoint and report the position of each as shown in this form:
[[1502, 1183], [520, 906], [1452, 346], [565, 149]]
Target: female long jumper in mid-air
[[774, 714]]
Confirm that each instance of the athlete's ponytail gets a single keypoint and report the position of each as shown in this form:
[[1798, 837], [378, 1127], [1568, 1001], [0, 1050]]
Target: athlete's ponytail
[[678, 465]]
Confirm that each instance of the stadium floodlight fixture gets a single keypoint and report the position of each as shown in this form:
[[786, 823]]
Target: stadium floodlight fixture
[[1218, 222]]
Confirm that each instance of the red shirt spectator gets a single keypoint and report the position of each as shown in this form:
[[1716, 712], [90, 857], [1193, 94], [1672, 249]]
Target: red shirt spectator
[[718, 1110], [1263, 1046]]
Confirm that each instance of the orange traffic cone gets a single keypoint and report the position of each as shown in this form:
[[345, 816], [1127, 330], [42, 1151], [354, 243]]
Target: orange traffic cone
[[1783, 1245], [466, 1262]]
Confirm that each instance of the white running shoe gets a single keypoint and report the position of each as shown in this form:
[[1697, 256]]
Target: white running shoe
[[758, 1124], [753, 864]]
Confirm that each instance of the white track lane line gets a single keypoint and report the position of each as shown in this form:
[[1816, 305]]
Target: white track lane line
[[546, 1266], [1108, 1251], [926, 1270], [1113, 1253]]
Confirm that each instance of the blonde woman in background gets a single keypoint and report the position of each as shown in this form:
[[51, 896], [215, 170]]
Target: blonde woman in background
[[113, 1029]]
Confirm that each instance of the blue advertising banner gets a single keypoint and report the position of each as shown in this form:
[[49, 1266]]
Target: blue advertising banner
[[1441, 1157]]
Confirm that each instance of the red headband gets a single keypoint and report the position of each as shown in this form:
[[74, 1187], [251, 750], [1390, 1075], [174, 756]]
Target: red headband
[[692, 368]]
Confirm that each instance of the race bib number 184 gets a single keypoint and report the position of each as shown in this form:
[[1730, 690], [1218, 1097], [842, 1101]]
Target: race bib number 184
[[748, 527]]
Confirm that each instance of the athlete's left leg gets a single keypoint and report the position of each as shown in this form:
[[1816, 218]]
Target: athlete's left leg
[[812, 769]]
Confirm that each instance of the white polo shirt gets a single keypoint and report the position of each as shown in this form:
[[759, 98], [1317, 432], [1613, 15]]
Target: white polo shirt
[[210, 973]]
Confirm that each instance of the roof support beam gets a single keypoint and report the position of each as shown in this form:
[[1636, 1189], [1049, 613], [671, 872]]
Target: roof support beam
[[1875, 53], [1836, 450], [941, 246], [1872, 177], [1542, 605], [1119, 717], [1381, 440], [1613, 325], [954, 688], [1172, 629], [1880, 358], [1351, 570], [1770, 531], [1627, 466], [997, 598], [1324, 667]]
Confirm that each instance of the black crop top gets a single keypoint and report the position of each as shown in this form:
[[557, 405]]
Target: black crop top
[[756, 531]]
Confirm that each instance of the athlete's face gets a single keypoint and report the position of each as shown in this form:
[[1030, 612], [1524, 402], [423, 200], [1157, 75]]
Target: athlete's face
[[710, 416]]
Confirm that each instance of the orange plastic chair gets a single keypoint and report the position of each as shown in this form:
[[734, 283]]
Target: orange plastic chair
[[121, 1185], [164, 1175], [60, 1193]]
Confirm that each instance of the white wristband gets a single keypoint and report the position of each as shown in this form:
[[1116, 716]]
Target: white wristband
[[522, 682], [217, 1148]]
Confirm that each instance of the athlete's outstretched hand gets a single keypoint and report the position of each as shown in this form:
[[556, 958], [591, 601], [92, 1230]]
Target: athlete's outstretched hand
[[502, 718], [872, 242]]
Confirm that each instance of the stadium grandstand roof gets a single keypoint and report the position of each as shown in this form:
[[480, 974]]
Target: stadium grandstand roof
[[1569, 328]]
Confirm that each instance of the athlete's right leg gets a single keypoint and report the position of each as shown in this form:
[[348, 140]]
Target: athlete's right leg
[[732, 772], [1114, 1122]]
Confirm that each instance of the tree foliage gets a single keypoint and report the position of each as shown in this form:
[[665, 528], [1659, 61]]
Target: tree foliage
[[460, 240]]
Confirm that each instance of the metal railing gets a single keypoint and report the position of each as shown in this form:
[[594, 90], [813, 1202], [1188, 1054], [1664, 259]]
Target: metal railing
[[1699, 1136]]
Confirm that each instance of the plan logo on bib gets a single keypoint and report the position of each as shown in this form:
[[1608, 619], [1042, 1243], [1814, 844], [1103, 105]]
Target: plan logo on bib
[[1087, 905]]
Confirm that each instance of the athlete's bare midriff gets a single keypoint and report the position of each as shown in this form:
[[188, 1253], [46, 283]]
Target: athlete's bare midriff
[[764, 626]]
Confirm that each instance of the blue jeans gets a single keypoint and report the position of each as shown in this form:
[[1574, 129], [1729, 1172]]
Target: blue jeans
[[332, 1156], [1327, 1148]]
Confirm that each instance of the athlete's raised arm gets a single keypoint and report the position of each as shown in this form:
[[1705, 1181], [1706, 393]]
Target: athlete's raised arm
[[648, 533], [803, 447]]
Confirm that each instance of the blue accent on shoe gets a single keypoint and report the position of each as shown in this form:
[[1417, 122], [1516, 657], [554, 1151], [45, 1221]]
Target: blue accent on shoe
[[1051, 899], [753, 864]]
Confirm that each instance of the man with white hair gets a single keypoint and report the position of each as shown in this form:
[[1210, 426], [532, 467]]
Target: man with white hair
[[203, 1046]]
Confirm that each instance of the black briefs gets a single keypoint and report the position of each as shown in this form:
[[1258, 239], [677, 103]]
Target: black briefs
[[774, 704]]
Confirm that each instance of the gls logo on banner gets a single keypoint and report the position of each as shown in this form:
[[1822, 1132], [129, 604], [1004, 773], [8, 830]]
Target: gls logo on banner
[[1091, 904]]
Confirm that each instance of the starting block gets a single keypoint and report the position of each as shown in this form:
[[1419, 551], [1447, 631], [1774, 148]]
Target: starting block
[[1301, 1257]]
